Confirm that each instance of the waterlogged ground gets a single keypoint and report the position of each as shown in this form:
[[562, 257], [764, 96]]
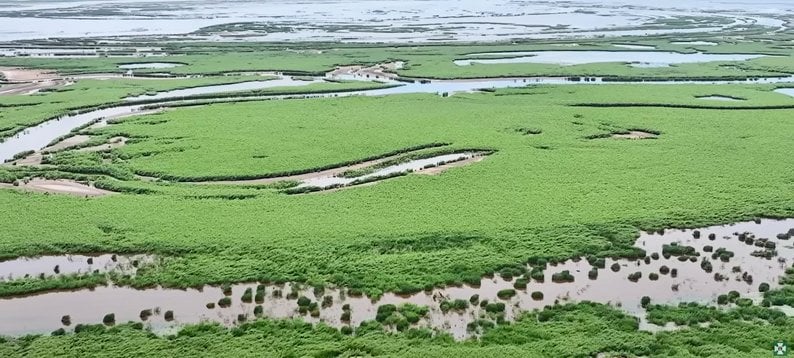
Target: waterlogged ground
[[685, 281], [49, 266], [358, 20]]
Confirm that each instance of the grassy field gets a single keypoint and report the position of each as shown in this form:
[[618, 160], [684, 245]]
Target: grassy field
[[556, 194], [558, 186]]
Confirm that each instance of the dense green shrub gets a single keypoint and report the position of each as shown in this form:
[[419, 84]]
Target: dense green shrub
[[506, 294]]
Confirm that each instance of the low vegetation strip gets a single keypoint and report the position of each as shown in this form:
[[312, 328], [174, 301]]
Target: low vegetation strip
[[684, 106]]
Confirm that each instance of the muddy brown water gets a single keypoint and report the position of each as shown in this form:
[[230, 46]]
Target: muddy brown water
[[42, 313]]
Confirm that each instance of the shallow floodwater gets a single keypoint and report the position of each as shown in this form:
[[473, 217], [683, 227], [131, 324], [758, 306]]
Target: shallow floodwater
[[42, 313], [570, 58], [70, 264], [635, 47], [695, 43], [143, 65], [786, 91], [242, 86]]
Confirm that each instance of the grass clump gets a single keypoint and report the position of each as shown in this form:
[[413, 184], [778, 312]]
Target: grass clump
[[506, 294]]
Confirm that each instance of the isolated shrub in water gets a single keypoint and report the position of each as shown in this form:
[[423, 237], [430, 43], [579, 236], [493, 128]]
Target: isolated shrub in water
[[506, 294], [634, 277], [615, 267], [169, 315], [304, 301], [345, 316], [211, 305], [655, 255], [674, 272], [66, 320], [474, 299], [109, 319], [645, 301], [664, 270], [225, 302], [537, 295], [520, 284], [145, 314], [722, 299], [653, 276], [564, 276], [592, 274], [763, 287], [494, 307], [248, 295]]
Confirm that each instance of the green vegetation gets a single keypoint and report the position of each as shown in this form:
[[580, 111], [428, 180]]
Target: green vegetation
[[556, 187]]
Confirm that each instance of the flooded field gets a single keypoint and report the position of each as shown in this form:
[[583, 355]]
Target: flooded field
[[49, 266], [570, 58], [674, 271], [358, 20]]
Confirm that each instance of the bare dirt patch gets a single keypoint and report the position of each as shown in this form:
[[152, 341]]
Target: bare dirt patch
[[635, 135], [60, 186], [28, 81]]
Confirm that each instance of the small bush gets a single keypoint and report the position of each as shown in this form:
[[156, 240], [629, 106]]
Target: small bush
[[242, 318], [537, 295], [564, 276], [653, 276], [494, 307], [520, 284], [109, 319], [506, 294], [225, 302], [304, 301], [592, 274], [712, 236], [345, 316], [722, 299], [764, 287], [59, 332], [474, 299], [227, 290], [248, 295], [346, 330], [615, 267], [328, 301], [210, 305], [674, 272], [664, 270], [634, 277], [655, 255], [66, 320], [708, 248], [145, 314], [346, 307], [169, 315], [258, 311], [645, 301], [696, 234]]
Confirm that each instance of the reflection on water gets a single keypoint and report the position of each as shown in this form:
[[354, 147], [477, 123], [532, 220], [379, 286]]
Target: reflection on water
[[678, 281], [570, 58]]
